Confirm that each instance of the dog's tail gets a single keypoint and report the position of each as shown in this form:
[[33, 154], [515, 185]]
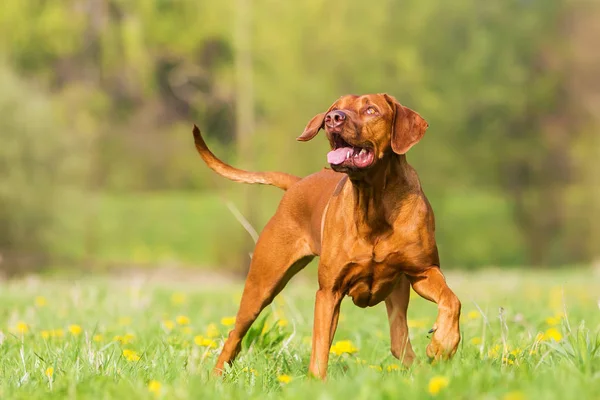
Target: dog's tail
[[278, 179]]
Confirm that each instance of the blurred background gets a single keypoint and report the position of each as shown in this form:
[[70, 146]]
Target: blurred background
[[98, 97]]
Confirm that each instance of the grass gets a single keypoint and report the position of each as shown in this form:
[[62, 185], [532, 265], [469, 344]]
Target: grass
[[191, 228], [526, 334]]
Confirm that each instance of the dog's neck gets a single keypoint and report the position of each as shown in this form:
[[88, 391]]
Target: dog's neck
[[377, 193]]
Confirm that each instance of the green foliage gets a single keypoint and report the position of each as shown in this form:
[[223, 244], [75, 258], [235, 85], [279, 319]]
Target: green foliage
[[39, 163], [493, 79]]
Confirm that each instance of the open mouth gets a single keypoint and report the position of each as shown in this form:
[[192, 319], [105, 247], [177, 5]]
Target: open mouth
[[346, 155]]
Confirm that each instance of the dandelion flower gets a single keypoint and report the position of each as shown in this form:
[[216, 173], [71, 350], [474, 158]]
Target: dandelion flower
[[182, 320], [552, 334], [284, 379], [417, 323], [228, 321], [40, 301], [250, 370], [553, 321], [22, 327], [212, 331], [205, 342], [343, 346], [168, 324], [45, 334], [57, 333], [473, 315], [437, 383], [154, 386], [178, 298], [75, 330], [49, 372], [265, 329], [476, 341], [494, 351], [376, 368], [392, 367], [130, 355], [516, 395], [282, 323], [98, 338], [125, 339]]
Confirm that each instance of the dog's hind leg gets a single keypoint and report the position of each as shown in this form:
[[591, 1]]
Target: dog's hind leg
[[281, 251], [397, 304]]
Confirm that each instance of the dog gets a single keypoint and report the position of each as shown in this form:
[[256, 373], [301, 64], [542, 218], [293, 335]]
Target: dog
[[367, 219]]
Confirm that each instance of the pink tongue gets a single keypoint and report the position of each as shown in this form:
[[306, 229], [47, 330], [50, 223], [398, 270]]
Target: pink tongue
[[338, 156]]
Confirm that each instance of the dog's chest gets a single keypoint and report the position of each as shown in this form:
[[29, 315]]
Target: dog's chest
[[368, 282]]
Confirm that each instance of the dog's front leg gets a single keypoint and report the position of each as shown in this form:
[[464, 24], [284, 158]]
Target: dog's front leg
[[431, 285], [327, 311]]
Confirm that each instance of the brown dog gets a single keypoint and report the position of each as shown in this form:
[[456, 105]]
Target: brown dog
[[369, 222]]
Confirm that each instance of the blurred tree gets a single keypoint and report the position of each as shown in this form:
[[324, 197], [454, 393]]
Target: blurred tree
[[40, 163], [509, 89]]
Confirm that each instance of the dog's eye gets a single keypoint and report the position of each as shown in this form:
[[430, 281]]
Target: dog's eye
[[371, 111]]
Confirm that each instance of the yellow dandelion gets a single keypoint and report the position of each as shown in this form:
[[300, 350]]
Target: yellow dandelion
[[282, 323], [178, 298], [130, 355], [49, 372], [553, 321], [552, 334], [228, 321], [154, 386], [45, 334], [392, 367], [205, 342], [182, 320], [417, 323], [124, 321], [168, 324], [285, 379], [57, 333], [40, 301], [516, 395], [473, 315], [343, 346], [212, 331], [360, 361], [376, 368], [476, 341], [437, 383], [22, 327], [98, 338], [494, 351], [75, 330], [265, 329], [250, 370], [125, 339], [508, 360]]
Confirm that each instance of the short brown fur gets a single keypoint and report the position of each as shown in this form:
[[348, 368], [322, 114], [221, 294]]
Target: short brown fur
[[373, 229]]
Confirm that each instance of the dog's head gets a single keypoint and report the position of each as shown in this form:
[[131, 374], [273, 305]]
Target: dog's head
[[363, 129]]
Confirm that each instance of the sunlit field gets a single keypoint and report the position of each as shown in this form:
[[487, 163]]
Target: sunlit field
[[526, 335]]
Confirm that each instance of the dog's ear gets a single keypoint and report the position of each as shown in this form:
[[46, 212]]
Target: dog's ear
[[313, 127], [408, 127]]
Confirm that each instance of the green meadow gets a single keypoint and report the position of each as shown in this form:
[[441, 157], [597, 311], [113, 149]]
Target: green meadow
[[526, 335]]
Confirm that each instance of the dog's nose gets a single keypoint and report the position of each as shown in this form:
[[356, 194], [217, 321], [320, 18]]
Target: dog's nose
[[335, 118]]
